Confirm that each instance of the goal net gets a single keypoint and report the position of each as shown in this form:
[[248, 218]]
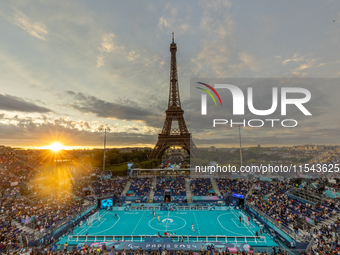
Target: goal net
[[72, 238], [92, 218], [245, 219]]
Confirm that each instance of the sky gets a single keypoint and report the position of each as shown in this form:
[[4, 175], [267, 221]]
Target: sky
[[70, 68]]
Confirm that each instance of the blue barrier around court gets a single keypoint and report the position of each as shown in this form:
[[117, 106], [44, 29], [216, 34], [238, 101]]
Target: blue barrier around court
[[63, 228]]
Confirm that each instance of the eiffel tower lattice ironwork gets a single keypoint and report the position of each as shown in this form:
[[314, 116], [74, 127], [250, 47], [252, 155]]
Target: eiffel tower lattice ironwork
[[178, 136]]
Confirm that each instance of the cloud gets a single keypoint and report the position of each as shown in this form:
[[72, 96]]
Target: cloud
[[151, 8], [170, 22], [35, 29], [171, 25], [163, 23], [215, 41], [107, 45], [248, 61], [41, 131], [133, 56], [172, 9], [219, 54], [122, 111], [100, 61], [296, 58], [303, 62], [12, 103], [300, 71], [217, 19]]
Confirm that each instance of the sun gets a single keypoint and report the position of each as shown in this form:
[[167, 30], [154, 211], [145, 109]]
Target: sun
[[55, 147]]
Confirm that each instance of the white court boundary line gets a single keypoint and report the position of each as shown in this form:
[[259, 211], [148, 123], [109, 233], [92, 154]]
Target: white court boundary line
[[89, 226], [138, 223], [185, 223], [108, 228], [218, 219], [247, 226], [101, 222], [237, 221], [83, 230], [166, 224], [199, 232]]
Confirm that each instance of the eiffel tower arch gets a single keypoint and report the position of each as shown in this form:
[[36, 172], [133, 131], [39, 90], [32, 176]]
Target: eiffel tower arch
[[179, 135]]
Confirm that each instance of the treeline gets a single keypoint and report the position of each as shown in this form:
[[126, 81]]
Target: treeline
[[250, 156], [117, 162]]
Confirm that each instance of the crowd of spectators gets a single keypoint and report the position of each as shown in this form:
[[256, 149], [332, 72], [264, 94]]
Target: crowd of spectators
[[109, 186], [37, 199], [140, 186], [45, 214], [229, 186], [12, 175], [326, 238], [286, 210], [278, 206], [8, 185], [24, 171], [11, 237], [53, 250], [201, 187], [177, 186], [263, 188]]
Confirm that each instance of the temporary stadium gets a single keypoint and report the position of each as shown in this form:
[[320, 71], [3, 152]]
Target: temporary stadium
[[74, 72], [174, 211]]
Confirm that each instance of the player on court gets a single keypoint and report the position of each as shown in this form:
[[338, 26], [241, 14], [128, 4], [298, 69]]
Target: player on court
[[116, 215], [192, 228], [153, 212], [99, 218], [159, 219]]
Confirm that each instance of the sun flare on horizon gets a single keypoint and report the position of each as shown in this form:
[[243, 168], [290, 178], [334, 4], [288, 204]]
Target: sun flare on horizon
[[55, 147]]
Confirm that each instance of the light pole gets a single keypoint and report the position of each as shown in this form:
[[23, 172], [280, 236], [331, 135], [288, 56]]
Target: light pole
[[239, 134], [105, 130]]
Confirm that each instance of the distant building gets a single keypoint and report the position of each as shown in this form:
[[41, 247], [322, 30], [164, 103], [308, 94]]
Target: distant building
[[131, 149], [212, 148], [268, 152]]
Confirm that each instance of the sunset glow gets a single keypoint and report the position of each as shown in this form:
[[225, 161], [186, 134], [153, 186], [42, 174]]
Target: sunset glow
[[55, 147]]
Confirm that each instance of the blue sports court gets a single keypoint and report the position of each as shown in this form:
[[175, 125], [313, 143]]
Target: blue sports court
[[133, 225]]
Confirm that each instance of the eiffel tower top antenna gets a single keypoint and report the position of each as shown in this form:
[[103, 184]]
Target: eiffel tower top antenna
[[174, 98]]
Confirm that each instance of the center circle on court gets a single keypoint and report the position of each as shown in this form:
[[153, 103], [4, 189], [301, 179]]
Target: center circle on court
[[170, 223]]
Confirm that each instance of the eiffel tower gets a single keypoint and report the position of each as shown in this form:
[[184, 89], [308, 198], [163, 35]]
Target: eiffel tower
[[174, 136]]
